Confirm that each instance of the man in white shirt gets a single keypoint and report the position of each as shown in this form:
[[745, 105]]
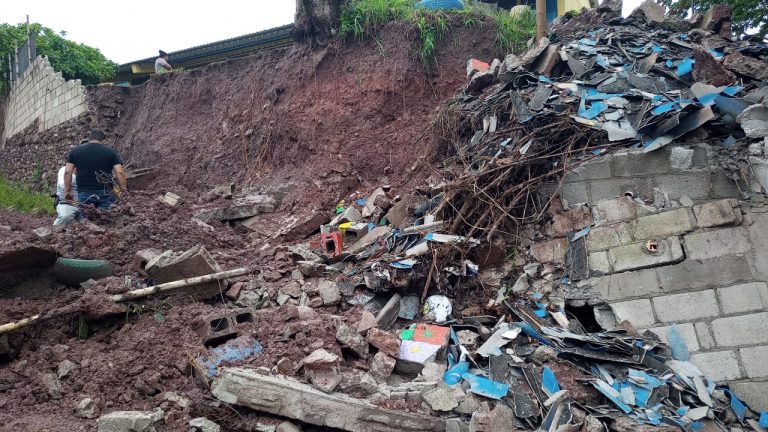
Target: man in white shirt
[[161, 64], [66, 212]]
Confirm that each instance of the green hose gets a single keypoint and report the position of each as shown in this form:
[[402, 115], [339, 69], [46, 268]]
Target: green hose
[[73, 272]]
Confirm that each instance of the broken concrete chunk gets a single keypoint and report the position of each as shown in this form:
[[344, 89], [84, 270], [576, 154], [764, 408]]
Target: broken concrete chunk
[[52, 385], [87, 408], [370, 203], [329, 292], [718, 213], [171, 199], [650, 11], [170, 267], [389, 313], [746, 65], [242, 208], [290, 398], [130, 421], [367, 322], [718, 20], [708, 70], [351, 339], [480, 81], [326, 380], [754, 121], [382, 367], [320, 358], [42, 232], [485, 420], [65, 367], [223, 191], [202, 424], [441, 398], [384, 341]]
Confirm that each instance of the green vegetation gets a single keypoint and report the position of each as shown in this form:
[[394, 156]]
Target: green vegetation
[[360, 19], [72, 59], [749, 16], [513, 32], [23, 199]]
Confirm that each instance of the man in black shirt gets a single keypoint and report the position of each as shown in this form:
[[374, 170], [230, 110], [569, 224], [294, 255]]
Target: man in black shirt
[[94, 162]]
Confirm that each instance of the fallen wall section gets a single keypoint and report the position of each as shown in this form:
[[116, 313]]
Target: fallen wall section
[[42, 94]]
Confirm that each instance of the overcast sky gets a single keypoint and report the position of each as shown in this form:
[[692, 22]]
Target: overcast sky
[[141, 27], [135, 30]]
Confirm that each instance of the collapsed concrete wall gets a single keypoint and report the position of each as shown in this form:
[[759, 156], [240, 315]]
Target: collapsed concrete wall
[[43, 95], [671, 245]]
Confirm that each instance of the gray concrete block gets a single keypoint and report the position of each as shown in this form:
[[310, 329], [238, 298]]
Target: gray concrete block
[[616, 187], [121, 421], [718, 213], [758, 233], [686, 331], [712, 244], [686, 306], [608, 236], [754, 394], [636, 256], [631, 162], [663, 224], [574, 193], [747, 297], [755, 361], [741, 330], [719, 365], [705, 335], [723, 187], [613, 210], [598, 263], [639, 313], [681, 158], [626, 285], [693, 184], [598, 168]]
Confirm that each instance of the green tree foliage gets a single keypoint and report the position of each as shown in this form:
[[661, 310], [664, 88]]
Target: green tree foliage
[[749, 16], [74, 60]]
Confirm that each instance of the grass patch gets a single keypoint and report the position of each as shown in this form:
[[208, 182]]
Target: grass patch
[[360, 18], [513, 32], [23, 199]]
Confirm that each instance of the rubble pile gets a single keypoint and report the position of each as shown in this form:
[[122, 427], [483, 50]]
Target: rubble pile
[[603, 81], [425, 309]]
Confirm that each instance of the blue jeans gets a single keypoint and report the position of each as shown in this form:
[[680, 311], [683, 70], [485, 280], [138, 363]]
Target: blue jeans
[[101, 199]]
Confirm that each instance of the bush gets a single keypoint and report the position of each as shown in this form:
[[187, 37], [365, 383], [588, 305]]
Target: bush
[[23, 199]]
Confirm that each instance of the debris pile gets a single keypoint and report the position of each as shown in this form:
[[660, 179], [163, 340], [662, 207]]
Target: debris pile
[[642, 81]]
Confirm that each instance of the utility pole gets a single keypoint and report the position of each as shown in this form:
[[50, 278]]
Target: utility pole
[[29, 47], [541, 19]]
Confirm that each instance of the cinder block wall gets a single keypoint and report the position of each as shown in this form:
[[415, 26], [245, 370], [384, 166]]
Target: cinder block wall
[[43, 94], [709, 274]]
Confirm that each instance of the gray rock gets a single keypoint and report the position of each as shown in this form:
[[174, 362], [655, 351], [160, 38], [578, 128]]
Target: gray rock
[[65, 367], [287, 427], [681, 157], [253, 299], [292, 289], [441, 398], [329, 292], [754, 121], [52, 384], [382, 366], [350, 338], [130, 421], [87, 408], [202, 424]]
